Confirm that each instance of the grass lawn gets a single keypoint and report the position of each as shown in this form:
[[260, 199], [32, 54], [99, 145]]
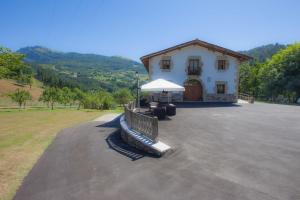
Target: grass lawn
[[24, 135]]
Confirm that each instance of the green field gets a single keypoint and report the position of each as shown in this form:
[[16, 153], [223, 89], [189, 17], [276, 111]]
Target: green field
[[25, 134]]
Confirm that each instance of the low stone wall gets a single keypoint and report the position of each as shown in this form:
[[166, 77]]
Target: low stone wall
[[178, 97], [220, 98]]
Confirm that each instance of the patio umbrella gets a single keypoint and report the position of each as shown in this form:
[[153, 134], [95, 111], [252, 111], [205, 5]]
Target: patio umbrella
[[161, 85]]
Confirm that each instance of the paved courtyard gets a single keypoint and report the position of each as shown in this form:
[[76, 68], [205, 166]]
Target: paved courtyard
[[220, 152], [236, 152]]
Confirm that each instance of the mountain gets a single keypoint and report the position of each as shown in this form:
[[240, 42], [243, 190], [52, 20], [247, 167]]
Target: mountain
[[264, 52], [87, 71], [78, 62]]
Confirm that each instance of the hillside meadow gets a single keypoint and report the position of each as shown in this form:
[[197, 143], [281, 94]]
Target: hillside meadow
[[8, 86]]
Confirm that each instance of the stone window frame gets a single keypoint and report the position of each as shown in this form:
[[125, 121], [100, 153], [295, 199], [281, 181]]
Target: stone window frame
[[188, 62], [223, 57], [219, 83], [161, 62]]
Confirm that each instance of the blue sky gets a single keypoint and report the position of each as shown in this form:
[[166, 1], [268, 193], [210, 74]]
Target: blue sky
[[134, 28]]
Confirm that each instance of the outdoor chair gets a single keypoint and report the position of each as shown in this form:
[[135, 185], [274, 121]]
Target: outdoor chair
[[160, 112], [171, 109], [144, 102]]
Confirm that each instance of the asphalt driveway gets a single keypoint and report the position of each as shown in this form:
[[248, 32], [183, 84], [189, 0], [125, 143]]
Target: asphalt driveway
[[220, 152]]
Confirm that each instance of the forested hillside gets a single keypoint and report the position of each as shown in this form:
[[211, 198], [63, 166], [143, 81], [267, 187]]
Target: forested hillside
[[86, 71], [262, 53], [274, 79], [77, 62]]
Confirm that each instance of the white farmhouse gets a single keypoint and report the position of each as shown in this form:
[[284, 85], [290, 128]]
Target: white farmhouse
[[208, 72]]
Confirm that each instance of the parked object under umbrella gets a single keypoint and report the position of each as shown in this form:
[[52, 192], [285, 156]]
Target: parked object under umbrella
[[161, 85]]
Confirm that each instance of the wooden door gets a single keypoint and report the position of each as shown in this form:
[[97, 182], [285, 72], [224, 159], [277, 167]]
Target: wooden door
[[193, 92]]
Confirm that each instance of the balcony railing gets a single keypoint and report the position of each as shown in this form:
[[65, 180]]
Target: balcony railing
[[194, 71]]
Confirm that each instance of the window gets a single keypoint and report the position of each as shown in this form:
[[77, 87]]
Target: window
[[166, 64], [221, 64], [194, 67], [221, 88]]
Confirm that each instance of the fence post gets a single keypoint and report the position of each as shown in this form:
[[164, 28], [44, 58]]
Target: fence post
[[154, 128], [130, 118]]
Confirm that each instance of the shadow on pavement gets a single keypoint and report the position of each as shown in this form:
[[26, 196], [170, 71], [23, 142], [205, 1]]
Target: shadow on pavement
[[116, 143], [115, 123]]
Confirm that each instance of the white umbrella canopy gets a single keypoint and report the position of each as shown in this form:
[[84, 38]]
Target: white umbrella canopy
[[161, 85]]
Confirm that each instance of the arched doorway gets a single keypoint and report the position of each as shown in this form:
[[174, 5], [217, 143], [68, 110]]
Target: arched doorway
[[193, 90]]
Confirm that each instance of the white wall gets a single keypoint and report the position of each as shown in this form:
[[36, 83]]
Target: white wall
[[179, 60]]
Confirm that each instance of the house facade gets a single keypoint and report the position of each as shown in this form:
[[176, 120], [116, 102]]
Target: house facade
[[208, 72]]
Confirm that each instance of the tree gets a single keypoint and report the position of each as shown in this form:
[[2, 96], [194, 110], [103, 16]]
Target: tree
[[72, 98], [30, 80], [20, 97], [4, 50], [45, 97], [105, 99], [50, 96], [78, 96], [107, 102], [65, 96], [249, 78], [26, 79], [3, 72], [277, 79], [281, 74], [122, 96], [97, 100], [12, 66]]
